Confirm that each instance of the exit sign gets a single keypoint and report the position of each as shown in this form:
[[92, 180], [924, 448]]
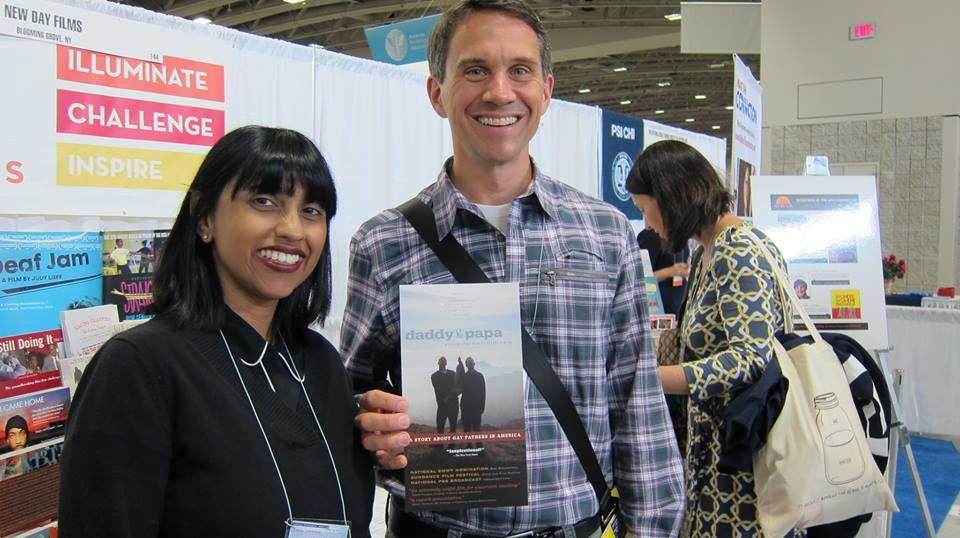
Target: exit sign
[[862, 31]]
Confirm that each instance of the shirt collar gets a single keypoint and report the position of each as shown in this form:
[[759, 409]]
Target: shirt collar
[[245, 342], [447, 199]]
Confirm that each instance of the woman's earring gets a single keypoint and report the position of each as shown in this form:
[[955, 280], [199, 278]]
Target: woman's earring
[[204, 237]]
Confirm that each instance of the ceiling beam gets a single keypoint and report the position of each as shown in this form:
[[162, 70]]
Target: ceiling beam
[[241, 16], [324, 14], [570, 44], [189, 9]]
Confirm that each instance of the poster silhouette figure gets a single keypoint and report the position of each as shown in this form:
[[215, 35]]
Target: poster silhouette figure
[[460, 372], [474, 398], [446, 391]]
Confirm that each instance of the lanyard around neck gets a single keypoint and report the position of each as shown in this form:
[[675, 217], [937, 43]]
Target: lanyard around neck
[[299, 378]]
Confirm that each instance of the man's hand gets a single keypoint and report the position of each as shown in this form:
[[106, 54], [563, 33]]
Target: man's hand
[[383, 422]]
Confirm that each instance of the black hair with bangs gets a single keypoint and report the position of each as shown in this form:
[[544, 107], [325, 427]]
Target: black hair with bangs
[[258, 159]]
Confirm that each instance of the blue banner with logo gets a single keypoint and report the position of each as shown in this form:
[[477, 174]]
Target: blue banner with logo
[[401, 42], [621, 141]]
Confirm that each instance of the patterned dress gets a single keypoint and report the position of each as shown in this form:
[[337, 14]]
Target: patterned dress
[[733, 310]]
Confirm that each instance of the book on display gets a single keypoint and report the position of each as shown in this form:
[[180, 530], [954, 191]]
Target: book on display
[[462, 368]]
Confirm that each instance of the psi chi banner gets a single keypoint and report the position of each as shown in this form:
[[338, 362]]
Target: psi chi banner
[[621, 141]]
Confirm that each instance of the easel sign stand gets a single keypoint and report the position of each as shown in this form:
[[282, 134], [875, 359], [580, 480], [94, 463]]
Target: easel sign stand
[[900, 437]]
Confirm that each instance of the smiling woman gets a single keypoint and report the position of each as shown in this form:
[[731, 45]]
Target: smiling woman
[[226, 395], [264, 247]]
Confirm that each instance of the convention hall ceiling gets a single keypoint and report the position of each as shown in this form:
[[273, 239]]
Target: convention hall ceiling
[[626, 53]]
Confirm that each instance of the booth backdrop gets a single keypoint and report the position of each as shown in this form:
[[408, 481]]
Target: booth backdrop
[[372, 121]]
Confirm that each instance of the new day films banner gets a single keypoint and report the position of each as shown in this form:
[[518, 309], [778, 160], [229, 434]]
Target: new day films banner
[[621, 141], [96, 127], [747, 128]]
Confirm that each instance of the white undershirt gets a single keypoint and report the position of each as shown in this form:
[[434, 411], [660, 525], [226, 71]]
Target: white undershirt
[[497, 215]]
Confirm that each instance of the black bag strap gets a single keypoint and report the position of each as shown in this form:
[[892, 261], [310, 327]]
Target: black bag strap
[[465, 269], [695, 263]]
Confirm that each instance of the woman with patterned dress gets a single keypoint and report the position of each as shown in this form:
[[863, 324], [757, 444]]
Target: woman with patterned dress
[[733, 310]]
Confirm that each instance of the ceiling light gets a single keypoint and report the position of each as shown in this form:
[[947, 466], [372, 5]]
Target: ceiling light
[[625, 102], [555, 13], [699, 97], [619, 69], [689, 120], [673, 17], [714, 127], [658, 111], [664, 83], [585, 64], [202, 20], [728, 107], [583, 90], [294, 1], [716, 65]]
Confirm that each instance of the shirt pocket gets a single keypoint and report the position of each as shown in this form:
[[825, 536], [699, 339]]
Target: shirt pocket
[[579, 285], [576, 265], [576, 299], [562, 274]]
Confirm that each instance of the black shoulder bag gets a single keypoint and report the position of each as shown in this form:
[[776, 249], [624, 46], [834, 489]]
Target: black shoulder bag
[[463, 267]]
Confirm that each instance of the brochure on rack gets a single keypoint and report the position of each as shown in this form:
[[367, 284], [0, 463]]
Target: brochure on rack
[[28, 362], [33, 421], [129, 258]]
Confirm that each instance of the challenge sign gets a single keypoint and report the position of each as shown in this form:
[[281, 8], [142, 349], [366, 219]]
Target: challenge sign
[[622, 141]]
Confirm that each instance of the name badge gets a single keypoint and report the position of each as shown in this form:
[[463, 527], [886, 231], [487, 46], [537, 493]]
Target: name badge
[[317, 528]]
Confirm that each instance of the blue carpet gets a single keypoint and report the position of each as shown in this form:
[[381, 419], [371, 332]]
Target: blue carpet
[[939, 465]]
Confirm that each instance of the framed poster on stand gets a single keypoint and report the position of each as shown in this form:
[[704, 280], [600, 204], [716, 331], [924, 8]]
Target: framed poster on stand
[[828, 230]]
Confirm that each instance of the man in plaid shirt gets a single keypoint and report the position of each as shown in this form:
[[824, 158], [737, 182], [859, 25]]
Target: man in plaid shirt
[[581, 295]]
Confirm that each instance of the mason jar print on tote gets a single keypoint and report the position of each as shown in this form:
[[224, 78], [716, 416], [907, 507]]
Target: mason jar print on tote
[[842, 456]]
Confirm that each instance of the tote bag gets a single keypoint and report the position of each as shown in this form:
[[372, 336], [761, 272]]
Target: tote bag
[[816, 467]]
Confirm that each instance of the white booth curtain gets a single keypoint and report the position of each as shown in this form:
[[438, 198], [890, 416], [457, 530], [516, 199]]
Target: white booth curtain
[[372, 121]]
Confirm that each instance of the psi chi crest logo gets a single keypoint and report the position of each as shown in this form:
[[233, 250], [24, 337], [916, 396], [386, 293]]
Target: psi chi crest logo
[[622, 164]]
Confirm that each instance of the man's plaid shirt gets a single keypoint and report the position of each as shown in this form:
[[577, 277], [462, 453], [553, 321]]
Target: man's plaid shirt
[[582, 299]]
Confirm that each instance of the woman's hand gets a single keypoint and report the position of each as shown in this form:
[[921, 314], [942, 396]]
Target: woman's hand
[[680, 269], [383, 421], [677, 269]]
